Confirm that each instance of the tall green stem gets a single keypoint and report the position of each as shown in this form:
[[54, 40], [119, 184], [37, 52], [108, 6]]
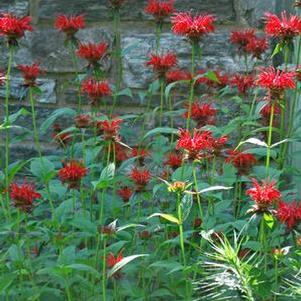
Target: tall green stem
[[180, 218], [196, 187], [270, 134], [104, 275], [161, 100], [158, 35], [7, 122]]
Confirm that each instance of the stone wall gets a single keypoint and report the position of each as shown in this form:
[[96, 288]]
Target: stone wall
[[45, 45]]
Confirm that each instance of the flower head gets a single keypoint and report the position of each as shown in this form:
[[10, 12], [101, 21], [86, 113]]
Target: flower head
[[241, 160], [243, 83], [266, 113], [202, 114], [72, 173], [141, 177], [91, 52], [176, 75], [257, 46], [192, 27], [285, 28], [125, 193], [276, 81], [242, 37], [174, 160], [289, 214], [96, 90], [162, 63], [159, 9], [30, 74], [70, 25], [14, 27], [195, 145], [23, 196], [221, 80], [83, 121], [109, 128], [264, 194]]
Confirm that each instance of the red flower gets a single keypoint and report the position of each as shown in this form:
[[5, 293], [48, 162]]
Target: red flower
[[243, 83], [139, 152], [222, 80], [112, 260], [109, 128], [197, 223], [125, 193], [14, 27], [276, 81], [140, 177], [23, 196], [30, 73], [257, 46], [116, 4], [289, 214], [219, 143], [285, 28], [161, 64], [82, 121], [92, 52], [202, 114], [159, 9], [266, 113], [62, 138], [241, 38], [193, 27], [96, 90], [172, 76], [196, 144], [242, 161], [121, 153], [72, 173], [174, 160], [70, 25], [264, 194]]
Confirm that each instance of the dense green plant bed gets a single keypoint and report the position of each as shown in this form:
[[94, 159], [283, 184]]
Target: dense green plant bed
[[202, 206]]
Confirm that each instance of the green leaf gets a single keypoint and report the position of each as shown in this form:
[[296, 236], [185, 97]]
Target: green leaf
[[269, 220], [168, 217], [22, 112], [160, 130], [214, 188], [123, 263], [125, 92], [106, 176], [56, 114], [278, 48], [5, 281], [15, 168], [42, 168], [83, 268]]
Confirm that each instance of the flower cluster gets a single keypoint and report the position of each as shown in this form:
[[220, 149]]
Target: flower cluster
[[72, 173], [192, 27], [220, 81], [14, 28], [176, 75], [91, 52], [203, 114], [30, 74], [23, 196], [109, 129], [242, 161], [83, 121], [141, 177], [125, 193], [162, 63], [243, 83], [289, 214], [159, 9], [264, 194], [173, 160], [70, 25]]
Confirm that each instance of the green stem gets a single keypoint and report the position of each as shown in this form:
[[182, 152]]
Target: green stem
[[270, 134], [196, 187], [161, 100], [180, 218], [158, 35], [104, 276], [7, 122]]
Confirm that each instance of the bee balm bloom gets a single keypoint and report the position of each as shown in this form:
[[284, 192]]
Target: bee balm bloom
[[23, 196], [69, 25], [30, 73], [14, 27], [192, 27], [93, 53], [242, 161], [162, 63], [159, 9], [140, 177], [289, 214]]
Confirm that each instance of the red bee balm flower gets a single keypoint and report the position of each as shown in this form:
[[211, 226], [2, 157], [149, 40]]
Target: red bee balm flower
[[174, 160], [222, 80], [289, 214], [23, 196], [109, 128], [69, 25], [13, 27], [194, 145], [242, 161], [177, 75], [82, 121], [159, 9], [241, 38], [92, 52], [192, 27], [30, 74], [139, 152], [140, 177], [257, 46], [266, 113], [202, 114], [72, 173], [243, 83], [161, 64], [264, 195], [285, 28], [96, 90], [276, 81], [125, 193]]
